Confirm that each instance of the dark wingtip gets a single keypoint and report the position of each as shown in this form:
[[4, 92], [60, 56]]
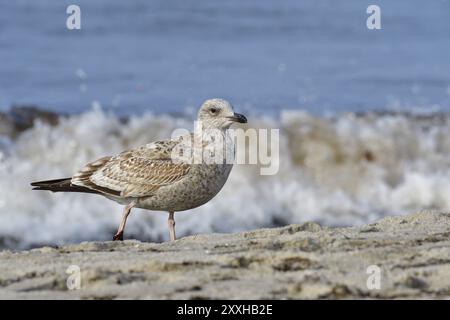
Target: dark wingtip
[[47, 183]]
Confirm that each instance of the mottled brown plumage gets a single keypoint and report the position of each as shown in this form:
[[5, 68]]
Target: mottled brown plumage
[[133, 173], [149, 177]]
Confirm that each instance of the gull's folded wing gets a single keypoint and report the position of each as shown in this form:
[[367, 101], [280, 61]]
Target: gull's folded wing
[[134, 173]]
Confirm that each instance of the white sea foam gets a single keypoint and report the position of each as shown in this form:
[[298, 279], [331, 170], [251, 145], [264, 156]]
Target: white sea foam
[[343, 170]]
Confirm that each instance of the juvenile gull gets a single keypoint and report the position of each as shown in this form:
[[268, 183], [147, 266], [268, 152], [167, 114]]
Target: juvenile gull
[[149, 177]]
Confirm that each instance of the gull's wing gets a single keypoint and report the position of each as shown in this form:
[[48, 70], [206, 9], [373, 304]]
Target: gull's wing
[[134, 173]]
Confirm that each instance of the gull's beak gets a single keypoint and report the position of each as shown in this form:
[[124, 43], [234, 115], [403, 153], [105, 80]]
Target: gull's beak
[[238, 118]]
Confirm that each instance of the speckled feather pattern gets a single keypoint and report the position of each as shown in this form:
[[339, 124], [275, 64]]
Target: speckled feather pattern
[[150, 178]]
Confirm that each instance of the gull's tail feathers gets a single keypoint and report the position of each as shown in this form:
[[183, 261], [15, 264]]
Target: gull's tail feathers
[[60, 185]]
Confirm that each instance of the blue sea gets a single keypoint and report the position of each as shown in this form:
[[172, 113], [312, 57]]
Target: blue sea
[[364, 115], [264, 55]]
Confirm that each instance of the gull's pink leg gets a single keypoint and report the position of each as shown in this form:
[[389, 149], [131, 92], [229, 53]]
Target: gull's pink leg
[[126, 212], [171, 222]]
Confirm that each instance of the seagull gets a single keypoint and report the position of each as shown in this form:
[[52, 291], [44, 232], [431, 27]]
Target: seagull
[[160, 176]]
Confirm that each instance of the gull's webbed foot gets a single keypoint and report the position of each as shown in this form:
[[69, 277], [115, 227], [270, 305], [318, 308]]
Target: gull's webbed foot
[[118, 236]]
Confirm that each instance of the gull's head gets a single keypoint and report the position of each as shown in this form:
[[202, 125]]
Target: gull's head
[[218, 114]]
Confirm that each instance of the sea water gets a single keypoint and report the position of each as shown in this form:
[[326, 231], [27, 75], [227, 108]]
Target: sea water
[[363, 114]]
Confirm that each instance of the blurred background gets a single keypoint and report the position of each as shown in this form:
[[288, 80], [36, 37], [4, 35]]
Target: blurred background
[[363, 114]]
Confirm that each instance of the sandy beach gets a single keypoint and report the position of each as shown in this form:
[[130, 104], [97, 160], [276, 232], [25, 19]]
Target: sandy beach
[[337, 118], [303, 261]]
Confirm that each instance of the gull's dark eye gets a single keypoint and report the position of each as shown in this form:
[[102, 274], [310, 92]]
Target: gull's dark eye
[[213, 110]]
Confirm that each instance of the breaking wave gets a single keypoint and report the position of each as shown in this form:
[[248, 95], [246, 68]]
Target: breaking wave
[[345, 169]]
